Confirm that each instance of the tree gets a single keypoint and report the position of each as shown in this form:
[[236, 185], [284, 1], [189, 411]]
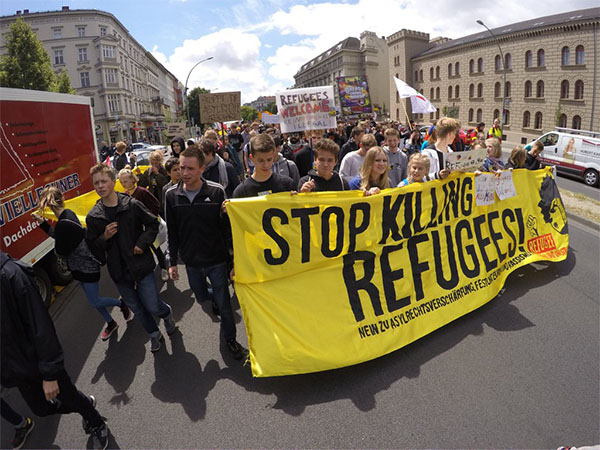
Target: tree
[[26, 64], [249, 113], [272, 108], [63, 83], [194, 104]]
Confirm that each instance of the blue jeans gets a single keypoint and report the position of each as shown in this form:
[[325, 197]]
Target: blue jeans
[[219, 280], [100, 303], [142, 298]]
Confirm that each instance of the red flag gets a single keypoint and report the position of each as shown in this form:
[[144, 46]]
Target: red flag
[[107, 161]]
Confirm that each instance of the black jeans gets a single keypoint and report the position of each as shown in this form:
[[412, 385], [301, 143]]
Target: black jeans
[[69, 400], [9, 414]]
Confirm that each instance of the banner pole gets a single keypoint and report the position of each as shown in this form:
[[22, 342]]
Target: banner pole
[[406, 113]]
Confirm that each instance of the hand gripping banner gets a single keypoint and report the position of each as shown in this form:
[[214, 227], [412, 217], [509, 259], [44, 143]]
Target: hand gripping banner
[[328, 280]]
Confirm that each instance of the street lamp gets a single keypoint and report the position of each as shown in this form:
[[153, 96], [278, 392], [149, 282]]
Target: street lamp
[[187, 106], [504, 77]]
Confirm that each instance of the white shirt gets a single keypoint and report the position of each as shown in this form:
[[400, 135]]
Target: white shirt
[[351, 164], [434, 167]]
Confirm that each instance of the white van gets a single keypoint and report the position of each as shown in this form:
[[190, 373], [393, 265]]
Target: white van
[[576, 152]]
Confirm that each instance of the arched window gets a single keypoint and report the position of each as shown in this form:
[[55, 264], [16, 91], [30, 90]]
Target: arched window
[[541, 58], [497, 89], [437, 113], [579, 90], [496, 114], [507, 61], [416, 75], [437, 72], [538, 121], [471, 66], [539, 90], [528, 59], [507, 89], [576, 123], [397, 114], [498, 62], [397, 97], [449, 70], [431, 73], [431, 115], [480, 65], [564, 89], [479, 115], [457, 91], [449, 92], [437, 93], [527, 89], [579, 55], [457, 69], [480, 90], [471, 114], [421, 74], [562, 121], [506, 117], [471, 90], [431, 94], [526, 119], [565, 56], [422, 91]]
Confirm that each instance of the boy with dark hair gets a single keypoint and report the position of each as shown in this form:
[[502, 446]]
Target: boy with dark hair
[[263, 180], [397, 159], [533, 156], [282, 165], [217, 169], [324, 178], [352, 143], [172, 168]]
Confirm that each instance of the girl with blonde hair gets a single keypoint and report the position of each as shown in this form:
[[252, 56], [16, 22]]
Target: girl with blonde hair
[[373, 174]]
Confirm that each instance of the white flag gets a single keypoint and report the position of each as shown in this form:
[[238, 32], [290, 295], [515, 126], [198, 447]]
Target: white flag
[[419, 103]]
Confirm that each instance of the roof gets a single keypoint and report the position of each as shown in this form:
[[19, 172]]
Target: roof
[[527, 25], [350, 43]]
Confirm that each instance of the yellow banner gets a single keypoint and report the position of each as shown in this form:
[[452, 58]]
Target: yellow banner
[[328, 280]]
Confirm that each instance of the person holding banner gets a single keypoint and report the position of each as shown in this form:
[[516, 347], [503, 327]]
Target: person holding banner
[[418, 168], [324, 177], [493, 162], [445, 130], [373, 177]]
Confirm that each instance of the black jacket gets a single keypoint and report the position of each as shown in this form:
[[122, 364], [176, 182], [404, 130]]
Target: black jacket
[[136, 227], [197, 232], [29, 346], [304, 160]]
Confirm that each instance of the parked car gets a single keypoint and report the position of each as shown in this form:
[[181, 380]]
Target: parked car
[[166, 150], [140, 145]]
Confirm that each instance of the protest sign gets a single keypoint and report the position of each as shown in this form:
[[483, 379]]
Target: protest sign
[[485, 186], [465, 161], [270, 118], [220, 107], [176, 129], [306, 109], [354, 97], [330, 279], [505, 188]]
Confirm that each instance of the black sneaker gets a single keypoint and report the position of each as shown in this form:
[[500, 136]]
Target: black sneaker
[[155, 342], [127, 313], [100, 436], [86, 428], [21, 433], [236, 350]]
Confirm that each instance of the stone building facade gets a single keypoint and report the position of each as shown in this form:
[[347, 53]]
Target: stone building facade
[[133, 94], [366, 56], [551, 77]]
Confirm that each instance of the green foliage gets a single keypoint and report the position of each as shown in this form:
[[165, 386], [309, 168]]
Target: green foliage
[[272, 108], [557, 113], [249, 113], [194, 104], [63, 83], [26, 64]]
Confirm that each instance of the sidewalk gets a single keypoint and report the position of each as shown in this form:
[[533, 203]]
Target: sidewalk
[[582, 207]]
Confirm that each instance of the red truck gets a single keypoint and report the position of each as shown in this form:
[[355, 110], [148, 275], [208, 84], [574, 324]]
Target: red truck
[[46, 139]]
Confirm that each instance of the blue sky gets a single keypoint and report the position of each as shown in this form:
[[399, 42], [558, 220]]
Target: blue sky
[[259, 45]]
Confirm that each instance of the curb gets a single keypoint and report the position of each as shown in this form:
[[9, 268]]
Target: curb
[[583, 221]]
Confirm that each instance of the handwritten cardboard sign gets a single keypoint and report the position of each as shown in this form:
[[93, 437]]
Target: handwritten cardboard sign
[[465, 161], [220, 107]]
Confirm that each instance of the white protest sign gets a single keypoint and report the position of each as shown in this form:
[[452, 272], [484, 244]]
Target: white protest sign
[[176, 129], [505, 187], [485, 186], [465, 161], [306, 109], [266, 118]]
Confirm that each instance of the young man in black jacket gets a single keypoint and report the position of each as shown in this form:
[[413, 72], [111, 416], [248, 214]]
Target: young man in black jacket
[[31, 354], [120, 232], [200, 234]]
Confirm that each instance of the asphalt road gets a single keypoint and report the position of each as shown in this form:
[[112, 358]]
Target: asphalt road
[[520, 372]]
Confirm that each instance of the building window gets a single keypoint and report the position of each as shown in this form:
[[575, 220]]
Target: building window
[[416, 76], [565, 55], [480, 65], [471, 66], [508, 61], [57, 33], [576, 123], [397, 97], [528, 89], [528, 59], [538, 121], [506, 117], [562, 121], [471, 114], [108, 51], [480, 90], [526, 119], [111, 75], [431, 94], [496, 114], [541, 58], [498, 62], [497, 90], [421, 74], [397, 114], [471, 90], [539, 91], [431, 116], [457, 91], [58, 57], [507, 89], [457, 69], [81, 31], [102, 31], [564, 89], [431, 73], [579, 90], [449, 70], [437, 72], [449, 92], [113, 103], [479, 115], [437, 113], [437, 93], [82, 54], [85, 79], [579, 54]]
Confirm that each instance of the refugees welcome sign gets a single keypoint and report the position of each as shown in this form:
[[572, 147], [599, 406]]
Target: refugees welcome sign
[[327, 280], [306, 109]]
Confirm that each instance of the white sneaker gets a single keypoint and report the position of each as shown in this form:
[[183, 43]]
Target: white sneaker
[[164, 274]]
